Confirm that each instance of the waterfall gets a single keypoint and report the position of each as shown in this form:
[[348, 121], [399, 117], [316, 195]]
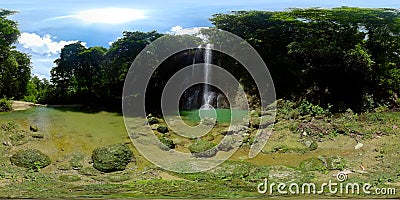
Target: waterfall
[[207, 94], [203, 96]]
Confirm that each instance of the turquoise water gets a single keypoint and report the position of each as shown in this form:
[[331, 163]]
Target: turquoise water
[[222, 115], [72, 129]]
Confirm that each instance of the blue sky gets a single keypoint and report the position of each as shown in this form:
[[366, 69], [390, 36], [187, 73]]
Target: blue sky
[[48, 25]]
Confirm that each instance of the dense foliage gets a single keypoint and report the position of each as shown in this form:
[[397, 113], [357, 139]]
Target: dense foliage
[[15, 67], [338, 58], [347, 57]]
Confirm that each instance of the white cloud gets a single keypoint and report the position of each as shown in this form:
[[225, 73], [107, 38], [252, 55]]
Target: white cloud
[[41, 76], [176, 28], [108, 15], [42, 45]]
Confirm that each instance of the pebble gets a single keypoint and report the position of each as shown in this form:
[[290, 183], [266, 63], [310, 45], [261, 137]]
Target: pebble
[[7, 143], [358, 145]]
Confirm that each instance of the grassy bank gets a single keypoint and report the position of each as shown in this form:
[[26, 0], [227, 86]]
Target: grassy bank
[[303, 148]]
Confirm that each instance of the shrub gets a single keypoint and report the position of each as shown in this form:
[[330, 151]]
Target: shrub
[[307, 108], [5, 105]]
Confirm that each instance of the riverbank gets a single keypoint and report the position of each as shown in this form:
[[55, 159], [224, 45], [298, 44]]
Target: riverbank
[[23, 105], [363, 146]]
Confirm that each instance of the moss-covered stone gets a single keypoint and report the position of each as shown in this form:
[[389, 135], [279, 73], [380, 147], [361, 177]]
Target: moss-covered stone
[[167, 142], [333, 162], [76, 161], [30, 158], [162, 129], [153, 120], [203, 148], [69, 178], [313, 146], [89, 171], [112, 158]]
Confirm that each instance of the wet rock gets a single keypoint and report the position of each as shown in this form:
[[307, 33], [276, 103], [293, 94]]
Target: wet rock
[[30, 158], [33, 128], [38, 135], [112, 158], [162, 129]]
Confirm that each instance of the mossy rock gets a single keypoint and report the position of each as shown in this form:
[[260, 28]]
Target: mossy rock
[[203, 148], [162, 129], [153, 120], [167, 142], [64, 166], [69, 178], [76, 161], [118, 177], [112, 158], [228, 144], [312, 164], [30, 158], [333, 162], [18, 138], [89, 171], [313, 146]]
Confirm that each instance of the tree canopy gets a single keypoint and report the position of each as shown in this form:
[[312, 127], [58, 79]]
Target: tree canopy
[[345, 57]]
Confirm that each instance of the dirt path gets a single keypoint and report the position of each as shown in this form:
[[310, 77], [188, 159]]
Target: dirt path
[[23, 105]]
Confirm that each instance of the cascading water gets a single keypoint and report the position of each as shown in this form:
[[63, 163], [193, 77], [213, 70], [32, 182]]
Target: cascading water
[[207, 94], [203, 96]]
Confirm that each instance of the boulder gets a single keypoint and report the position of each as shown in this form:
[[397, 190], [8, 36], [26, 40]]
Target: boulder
[[162, 129], [30, 158], [153, 120], [33, 128], [112, 158], [167, 142]]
